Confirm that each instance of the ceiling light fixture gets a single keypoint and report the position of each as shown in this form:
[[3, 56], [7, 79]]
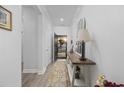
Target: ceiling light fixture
[[61, 19]]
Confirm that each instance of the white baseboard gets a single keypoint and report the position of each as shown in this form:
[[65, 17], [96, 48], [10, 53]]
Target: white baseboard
[[40, 72], [30, 71]]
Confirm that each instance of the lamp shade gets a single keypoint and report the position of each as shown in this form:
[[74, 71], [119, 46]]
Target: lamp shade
[[83, 35]]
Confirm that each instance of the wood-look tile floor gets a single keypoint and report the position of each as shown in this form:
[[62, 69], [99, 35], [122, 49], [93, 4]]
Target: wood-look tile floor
[[32, 80], [46, 80]]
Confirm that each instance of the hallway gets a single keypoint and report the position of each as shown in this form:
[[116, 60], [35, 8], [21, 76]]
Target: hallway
[[38, 45], [55, 76], [30, 46]]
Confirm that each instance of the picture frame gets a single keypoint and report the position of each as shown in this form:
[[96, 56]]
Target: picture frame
[[5, 19], [78, 47]]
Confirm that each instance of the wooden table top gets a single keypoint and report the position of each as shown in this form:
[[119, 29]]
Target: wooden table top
[[75, 59]]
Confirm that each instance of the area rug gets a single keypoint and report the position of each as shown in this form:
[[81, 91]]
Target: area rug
[[57, 75]]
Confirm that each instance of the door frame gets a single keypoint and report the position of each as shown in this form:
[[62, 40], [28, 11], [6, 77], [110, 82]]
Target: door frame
[[57, 48]]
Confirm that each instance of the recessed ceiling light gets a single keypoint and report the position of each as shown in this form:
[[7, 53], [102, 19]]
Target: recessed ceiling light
[[61, 19]]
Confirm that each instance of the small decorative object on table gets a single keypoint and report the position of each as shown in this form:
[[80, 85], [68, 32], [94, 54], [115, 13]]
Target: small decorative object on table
[[77, 72], [102, 82]]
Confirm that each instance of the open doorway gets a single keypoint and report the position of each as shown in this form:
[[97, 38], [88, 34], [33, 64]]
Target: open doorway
[[60, 46]]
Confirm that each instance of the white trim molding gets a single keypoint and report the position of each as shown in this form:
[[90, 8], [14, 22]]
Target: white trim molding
[[30, 71], [41, 71]]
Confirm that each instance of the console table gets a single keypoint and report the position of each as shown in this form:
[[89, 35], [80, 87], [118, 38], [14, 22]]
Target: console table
[[72, 62]]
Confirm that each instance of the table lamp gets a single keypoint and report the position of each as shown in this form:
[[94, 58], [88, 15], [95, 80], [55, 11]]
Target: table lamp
[[84, 37]]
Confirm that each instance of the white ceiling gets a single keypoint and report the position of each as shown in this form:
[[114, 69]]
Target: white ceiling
[[66, 12]]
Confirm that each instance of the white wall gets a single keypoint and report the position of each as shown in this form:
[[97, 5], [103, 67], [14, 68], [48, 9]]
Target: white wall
[[10, 51], [37, 49], [47, 36], [106, 26], [30, 38], [63, 30], [47, 42], [40, 45]]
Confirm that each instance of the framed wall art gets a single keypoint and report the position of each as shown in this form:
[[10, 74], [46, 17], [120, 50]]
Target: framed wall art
[[5, 19], [78, 47]]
